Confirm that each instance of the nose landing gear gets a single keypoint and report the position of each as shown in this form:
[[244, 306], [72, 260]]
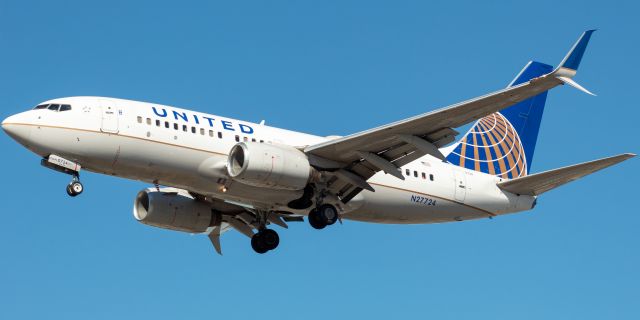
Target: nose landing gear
[[75, 187], [60, 164]]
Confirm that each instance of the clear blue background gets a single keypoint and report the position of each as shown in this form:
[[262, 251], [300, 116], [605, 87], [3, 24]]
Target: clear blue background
[[324, 68]]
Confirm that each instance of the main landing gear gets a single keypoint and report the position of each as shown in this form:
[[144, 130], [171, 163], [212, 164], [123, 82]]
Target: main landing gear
[[75, 187], [322, 216], [265, 240]]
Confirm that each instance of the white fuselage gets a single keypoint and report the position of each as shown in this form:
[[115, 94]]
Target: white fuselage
[[188, 150]]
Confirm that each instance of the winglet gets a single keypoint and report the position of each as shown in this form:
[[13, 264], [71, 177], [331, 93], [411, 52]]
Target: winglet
[[573, 58], [569, 65], [574, 84]]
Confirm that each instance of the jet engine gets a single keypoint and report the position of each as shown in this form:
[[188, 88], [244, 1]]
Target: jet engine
[[269, 166], [175, 210]]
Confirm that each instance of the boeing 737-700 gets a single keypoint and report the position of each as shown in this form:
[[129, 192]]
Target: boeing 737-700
[[211, 174]]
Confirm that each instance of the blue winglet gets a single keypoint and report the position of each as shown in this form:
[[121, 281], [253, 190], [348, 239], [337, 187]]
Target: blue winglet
[[572, 60]]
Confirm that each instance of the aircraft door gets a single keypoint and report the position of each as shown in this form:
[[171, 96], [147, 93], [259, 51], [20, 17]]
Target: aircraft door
[[460, 185], [109, 116]]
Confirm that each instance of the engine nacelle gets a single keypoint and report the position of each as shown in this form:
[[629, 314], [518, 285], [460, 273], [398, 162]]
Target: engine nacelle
[[170, 209], [269, 166]]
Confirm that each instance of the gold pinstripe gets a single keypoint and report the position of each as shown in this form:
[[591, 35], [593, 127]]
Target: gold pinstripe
[[118, 134]]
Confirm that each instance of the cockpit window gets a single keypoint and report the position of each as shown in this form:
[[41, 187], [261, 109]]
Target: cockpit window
[[54, 107]]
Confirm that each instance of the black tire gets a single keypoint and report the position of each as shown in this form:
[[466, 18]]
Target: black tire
[[270, 239], [257, 244], [315, 221], [70, 191], [328, 214]]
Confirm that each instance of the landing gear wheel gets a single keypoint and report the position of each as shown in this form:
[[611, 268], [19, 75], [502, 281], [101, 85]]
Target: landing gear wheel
[[328, 214], [315, 221], [270, 239], [75, 188], [257, 244], [70, 192], [265, 240]]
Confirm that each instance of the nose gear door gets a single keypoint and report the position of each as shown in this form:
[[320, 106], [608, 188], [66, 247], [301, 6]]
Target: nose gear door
[[109, 117]]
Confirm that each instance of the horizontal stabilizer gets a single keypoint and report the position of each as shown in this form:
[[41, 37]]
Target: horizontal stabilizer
[[542, 182]]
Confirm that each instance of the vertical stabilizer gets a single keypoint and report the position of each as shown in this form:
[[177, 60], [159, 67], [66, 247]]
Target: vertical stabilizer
[[503, 143]]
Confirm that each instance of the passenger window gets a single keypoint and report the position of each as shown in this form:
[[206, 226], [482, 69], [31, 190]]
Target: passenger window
[[219, 135], [158, 123], [424, 176], [431, 177], [193, 129], [166, 124], [407, 172], [210, 133], [149, 121], [202, 131], [184, 127], [139, 119], [42, 106], [237, 138], [54, 107], [415, 173], [261, 141], [253, 140], [175, 126], [245, 139], [65, 107]]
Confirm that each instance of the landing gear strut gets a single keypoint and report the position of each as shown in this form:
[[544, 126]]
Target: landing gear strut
[[75, 187], [322, 216]]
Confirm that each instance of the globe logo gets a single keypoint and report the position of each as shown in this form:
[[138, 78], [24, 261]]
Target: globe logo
[[492, 146]]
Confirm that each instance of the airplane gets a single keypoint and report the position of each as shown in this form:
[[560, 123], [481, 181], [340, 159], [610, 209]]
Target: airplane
[[211, 174]]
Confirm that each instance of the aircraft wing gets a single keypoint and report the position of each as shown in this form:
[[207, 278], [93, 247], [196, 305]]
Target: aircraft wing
[[355, 158], [539, 183]]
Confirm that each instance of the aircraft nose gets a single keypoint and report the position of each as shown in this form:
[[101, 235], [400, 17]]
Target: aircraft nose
[[18, 131]]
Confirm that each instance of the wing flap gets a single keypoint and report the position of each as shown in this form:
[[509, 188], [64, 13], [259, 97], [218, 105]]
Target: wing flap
[[542, 182]]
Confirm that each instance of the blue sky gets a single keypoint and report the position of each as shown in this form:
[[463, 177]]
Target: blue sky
[[324, 67]]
